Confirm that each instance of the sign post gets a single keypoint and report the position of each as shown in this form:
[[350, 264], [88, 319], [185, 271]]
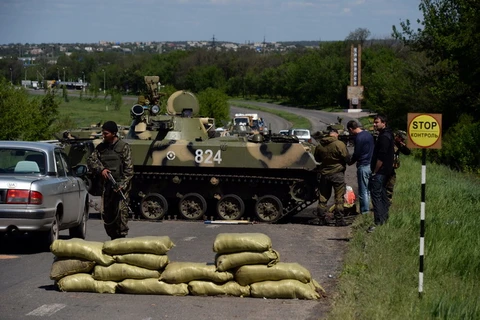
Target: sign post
[[424, 132]]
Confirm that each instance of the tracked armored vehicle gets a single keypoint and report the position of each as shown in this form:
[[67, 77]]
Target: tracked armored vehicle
[[182, 169]]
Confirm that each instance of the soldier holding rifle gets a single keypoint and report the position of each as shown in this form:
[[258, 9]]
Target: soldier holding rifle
[[112, 159]]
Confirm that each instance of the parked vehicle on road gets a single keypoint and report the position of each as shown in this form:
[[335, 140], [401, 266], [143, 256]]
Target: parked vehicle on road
[[39, 191], [303, 135]]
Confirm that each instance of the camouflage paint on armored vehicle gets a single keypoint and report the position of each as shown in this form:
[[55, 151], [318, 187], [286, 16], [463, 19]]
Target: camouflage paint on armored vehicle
[[180, 163]]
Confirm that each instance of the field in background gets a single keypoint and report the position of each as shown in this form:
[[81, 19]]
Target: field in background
[[87, 111]]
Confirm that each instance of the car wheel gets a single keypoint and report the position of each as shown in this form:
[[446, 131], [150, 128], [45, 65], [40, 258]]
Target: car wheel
[[80, 231], [48, 237]]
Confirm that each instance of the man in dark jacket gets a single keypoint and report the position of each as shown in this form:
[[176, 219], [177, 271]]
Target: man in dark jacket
[[382, 166], [332, 154], [113, 156]]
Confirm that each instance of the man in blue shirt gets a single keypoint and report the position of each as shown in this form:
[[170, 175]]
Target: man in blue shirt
[[362, 156]]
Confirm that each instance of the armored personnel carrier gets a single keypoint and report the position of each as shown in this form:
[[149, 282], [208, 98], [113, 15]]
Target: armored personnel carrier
[[182, 169]]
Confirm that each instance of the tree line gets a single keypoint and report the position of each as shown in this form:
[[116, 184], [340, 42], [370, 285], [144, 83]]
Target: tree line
[[434, 69]]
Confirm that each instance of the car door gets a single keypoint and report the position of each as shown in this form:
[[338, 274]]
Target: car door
[[71, 190]]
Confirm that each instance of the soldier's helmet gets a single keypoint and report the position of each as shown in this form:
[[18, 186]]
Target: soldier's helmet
[[401, 134], [257, 138]]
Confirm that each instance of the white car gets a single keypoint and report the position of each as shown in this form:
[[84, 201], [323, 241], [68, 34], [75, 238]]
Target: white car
[[303, 135], [39, 191]]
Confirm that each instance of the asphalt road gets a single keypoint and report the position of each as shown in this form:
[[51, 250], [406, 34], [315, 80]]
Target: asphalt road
[[319, 119], [26, 290]]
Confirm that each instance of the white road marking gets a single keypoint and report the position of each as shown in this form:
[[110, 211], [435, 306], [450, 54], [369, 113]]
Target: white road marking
[[189, 238], [46, 310]]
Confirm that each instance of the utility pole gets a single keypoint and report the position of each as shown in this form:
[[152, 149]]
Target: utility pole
[[64, 79], [213, 42], [11, 76]]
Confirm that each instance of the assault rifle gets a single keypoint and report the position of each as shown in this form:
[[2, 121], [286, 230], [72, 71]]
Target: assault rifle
[[116, 186]]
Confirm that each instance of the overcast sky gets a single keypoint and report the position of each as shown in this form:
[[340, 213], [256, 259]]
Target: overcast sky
[[241, 21]]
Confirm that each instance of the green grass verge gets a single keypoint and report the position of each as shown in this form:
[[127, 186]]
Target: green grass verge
[[381, 271]]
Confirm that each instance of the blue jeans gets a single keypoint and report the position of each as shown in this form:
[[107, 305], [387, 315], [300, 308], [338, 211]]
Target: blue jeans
[[363, 176], [380, 202]]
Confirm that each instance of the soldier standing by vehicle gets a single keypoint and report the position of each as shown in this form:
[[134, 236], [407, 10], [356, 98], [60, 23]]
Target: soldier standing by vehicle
[[332, 154], [382, 166], [399, 147], [113, 156]]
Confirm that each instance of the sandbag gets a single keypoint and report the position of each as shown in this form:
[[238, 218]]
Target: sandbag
[[246, 275], [147, 244], [81, 249], [317, 287], [283, 289], [143, 260], [83, 282], [207, 288], [184, 272], [238, 242], [152, 286], [226, 262], [122, 271], [62, 267]]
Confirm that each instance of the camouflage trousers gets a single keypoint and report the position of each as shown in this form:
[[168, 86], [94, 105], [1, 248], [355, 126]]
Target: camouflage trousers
[[114, 214], [390, 186], [327, 182]]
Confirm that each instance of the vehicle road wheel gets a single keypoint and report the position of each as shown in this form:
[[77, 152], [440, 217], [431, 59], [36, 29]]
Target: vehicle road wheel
[[230, 207], [154, 206], [268, 208], [192, 206], [80, 231]]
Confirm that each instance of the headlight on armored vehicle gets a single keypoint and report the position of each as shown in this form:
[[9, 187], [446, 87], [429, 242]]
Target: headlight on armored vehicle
[[155, 109]]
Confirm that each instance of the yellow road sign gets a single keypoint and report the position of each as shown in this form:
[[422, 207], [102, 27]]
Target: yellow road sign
[[425, 130]]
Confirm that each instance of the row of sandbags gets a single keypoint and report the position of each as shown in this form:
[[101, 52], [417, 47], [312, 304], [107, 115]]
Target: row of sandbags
[[245, 265]]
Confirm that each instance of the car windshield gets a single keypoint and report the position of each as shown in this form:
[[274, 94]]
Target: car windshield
[[300, 133], [21, 161]]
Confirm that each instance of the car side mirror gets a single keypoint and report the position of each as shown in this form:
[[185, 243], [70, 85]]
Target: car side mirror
[[80, 170]]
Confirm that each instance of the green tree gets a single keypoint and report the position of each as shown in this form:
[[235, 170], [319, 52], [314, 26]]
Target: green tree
[[214, 104], [451, 41], [24, 118]]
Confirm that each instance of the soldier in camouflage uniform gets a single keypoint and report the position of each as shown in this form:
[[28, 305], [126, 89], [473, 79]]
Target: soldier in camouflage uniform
[[113, 156], [333, 156], [399, 147]]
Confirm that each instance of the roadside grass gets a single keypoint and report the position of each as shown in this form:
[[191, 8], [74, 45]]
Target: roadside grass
[[87, 111], [381, 270], [295, 120]]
